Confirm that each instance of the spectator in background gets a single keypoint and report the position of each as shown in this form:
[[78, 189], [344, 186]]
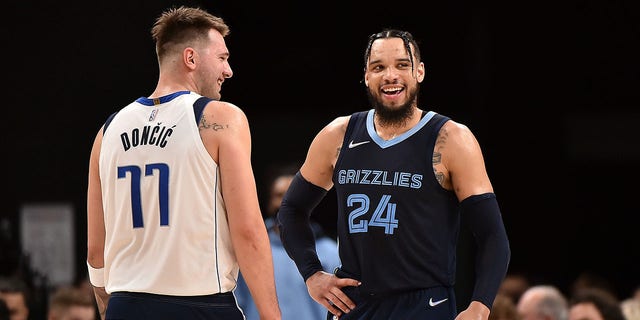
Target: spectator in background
[[83, 284], [15, 294], [514, 285], [594, 304], [636, 294], [631, 308], [295, 301], [590, 279], [71, 303], [4, 310], [543, 302], [503, 308]]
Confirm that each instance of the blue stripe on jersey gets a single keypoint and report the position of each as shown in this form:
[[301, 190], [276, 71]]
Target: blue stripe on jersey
[[152, 102], [198, 107], [163, 99], [106, 123], [388, 143]]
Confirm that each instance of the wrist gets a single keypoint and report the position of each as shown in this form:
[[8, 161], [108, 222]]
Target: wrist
[[96, 276]]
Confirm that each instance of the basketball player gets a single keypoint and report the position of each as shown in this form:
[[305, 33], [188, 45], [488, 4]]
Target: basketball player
[[404, 178], [173, 211]]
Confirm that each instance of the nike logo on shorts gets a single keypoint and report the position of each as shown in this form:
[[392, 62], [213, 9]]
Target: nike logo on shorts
[[353, 145], [435, 303]]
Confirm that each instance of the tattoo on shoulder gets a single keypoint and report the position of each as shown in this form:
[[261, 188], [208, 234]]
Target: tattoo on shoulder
[[204, 124], [442, 139]]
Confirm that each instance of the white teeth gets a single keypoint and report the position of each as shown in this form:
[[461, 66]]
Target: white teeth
[[391, 90]]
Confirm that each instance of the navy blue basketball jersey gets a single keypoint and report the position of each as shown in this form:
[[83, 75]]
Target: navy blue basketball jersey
[[397, 227]]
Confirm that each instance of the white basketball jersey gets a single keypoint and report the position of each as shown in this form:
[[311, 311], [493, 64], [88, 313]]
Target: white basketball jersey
[[165, 219]]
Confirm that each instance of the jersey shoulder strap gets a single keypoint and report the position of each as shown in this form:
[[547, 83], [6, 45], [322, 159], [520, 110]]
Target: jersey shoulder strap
[[106, 123], [198, 107], [356, 118]]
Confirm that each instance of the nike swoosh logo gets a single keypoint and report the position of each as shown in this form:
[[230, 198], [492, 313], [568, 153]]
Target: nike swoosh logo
[[435, 303], [353, 145]]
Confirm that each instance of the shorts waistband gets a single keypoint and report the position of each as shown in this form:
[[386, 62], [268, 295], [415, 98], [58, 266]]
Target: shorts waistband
[[224, 297], [358, 295]]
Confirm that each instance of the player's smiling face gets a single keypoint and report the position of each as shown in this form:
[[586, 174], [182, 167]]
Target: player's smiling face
[[214, 66], [392, 80], [390, 76]]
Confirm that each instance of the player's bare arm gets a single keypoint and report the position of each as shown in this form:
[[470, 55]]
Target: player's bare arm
[[226, 134], [323, 153], [325, 288], [95, 222], [463, 168], [95, 214], [464, 163]]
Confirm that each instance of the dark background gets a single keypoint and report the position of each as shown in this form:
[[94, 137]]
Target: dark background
[[550, 89]]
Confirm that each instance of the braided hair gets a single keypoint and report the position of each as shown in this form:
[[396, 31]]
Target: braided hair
[[406, 37]]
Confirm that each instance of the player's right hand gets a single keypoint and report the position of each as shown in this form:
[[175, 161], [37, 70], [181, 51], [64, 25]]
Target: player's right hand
[[326, 289]]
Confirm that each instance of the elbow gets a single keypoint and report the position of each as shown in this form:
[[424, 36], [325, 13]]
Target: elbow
[[95, 256], [249, 233]]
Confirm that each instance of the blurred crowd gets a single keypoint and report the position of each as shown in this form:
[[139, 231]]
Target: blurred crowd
[[26, 294], [20, 300], [590, 297]]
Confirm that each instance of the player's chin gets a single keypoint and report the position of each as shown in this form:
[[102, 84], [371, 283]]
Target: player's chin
[[215, 94]]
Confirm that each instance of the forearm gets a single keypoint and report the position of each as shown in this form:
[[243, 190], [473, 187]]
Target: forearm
[[299, 242], [493, 255], [256, 264], [102, 300], [295, 230], [97, 281]]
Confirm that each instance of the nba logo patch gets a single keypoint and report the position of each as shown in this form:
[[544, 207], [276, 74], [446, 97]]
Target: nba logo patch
[[153, 114]]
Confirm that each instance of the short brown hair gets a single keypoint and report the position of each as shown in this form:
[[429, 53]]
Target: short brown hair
[[179, 25]]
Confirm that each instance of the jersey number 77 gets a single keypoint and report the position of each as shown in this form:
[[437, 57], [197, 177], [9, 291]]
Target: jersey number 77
[[135, 172]]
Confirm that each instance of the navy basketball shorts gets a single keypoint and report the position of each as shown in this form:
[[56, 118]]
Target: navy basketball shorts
[[432, 303], [139, 306]]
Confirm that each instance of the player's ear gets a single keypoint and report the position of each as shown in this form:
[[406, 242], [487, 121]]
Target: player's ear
[[366, 79], [420, 72], [189, 57]]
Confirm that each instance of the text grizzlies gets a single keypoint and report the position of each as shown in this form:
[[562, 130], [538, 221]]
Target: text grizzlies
[[380, 177], [149, 135]]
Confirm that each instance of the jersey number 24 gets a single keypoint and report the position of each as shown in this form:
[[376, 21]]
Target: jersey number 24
[[384, 216]]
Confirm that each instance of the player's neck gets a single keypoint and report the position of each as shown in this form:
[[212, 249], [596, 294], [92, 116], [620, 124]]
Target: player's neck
[[388, 130], [168, 85]]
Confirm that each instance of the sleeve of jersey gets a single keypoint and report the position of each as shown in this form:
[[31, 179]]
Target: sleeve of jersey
[[295, 230], [485, 221]]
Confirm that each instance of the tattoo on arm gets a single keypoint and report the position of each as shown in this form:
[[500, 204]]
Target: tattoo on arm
[[214, 126], [437, 155], [442, 139], [437, 159], [439, 176]]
